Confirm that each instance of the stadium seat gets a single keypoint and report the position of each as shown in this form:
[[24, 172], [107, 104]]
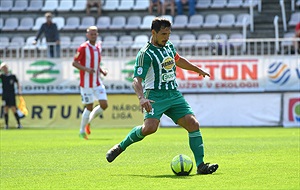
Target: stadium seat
[[26, 24], [59, 21], [109, 42], [110, 5], [72, 23], [218, 3], [28, 43], [175, 39], [203, 4], [10, 24], [195, 22], [4, 42], [141, 5], [86, 22], [203, 40], [211, 21], [20, 5], [169, 17], [50, 5], [180, 21], [5, 5], [65, 42], [234, 3], [247, 3], [77, 41], [38, 23], [295, 19], [240, 18], [287, 39], [227, 20], [126, 5], [139, 41], [298, 3], [1, 23], [133, 22], [65, 5], [147, 21], [125, 41], [236, 36], [117, 23], [187, 41], [103, 22], [35, 5], [79, 5], [16, 43]]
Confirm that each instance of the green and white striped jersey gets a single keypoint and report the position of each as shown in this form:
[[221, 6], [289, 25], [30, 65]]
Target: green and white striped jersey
[[156, 66]]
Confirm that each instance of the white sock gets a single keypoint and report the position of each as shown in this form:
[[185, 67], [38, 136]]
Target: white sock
[[95, 113], [84, 119]]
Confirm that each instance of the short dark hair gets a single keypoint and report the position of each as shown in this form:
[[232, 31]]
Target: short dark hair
[[160, 22]]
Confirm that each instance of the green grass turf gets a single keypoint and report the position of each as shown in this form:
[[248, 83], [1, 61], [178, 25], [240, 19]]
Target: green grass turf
[[248, 158]]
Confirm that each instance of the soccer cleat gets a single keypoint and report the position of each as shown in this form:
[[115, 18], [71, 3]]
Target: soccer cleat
[[83, 136], [113, 153], [20, 126], [207, 168], [87, 129]]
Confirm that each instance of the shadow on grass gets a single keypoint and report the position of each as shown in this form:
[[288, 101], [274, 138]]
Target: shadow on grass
[[168, 176]]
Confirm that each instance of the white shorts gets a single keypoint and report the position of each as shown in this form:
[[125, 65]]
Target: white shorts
[[89, 95]]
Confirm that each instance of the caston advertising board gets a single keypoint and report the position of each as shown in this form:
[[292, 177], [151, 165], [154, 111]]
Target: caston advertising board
[[226, 75], [66, 111]]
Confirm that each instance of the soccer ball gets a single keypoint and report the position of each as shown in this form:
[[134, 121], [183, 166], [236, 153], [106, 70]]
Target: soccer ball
[[182, 165]]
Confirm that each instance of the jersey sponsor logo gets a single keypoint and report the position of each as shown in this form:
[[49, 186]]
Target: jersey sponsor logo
[[168, 63], [139, 70], [166, 77]]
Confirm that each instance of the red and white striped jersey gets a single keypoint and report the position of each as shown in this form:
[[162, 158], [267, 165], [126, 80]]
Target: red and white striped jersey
[[89, 56]]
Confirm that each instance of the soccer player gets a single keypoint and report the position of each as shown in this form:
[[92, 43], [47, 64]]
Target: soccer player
[[155, 67], [87, 60], [8, 95]]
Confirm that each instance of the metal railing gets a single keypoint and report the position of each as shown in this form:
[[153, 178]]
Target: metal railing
[[215, 47]]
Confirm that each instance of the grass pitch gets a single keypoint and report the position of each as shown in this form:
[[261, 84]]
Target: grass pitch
[[248, 158]]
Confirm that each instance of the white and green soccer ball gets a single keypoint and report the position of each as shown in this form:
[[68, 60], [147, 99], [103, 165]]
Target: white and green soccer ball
[[182, 165]]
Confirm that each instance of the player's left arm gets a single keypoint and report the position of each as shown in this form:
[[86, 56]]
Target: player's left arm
[[187, 65], [18, 85]]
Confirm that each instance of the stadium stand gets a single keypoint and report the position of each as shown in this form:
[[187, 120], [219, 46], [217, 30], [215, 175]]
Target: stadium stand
[[65, 5], [72, 23], [227, 20], [86, 21], [126, 5], [10, 24], [211, 21], [118, 23], [203, 4], [141, 5], [38, 22], [50, 5], [59, 21], [180, 22], [146, 21], [295, 19], [234, 3], [133, 22], [6, 6], [111, 5], [175, 39], [195, 21], [79, 6], [218, 3]]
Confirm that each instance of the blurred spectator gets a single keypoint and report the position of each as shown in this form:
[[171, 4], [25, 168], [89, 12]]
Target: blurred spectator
[[297, 36], [191, 4], [93, 3], [166, 4], [52, 36], [154, 3]]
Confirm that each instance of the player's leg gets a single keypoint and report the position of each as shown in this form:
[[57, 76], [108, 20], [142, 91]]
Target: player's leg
[[87, 100], [135, 135], [5, 110], [14, 110]]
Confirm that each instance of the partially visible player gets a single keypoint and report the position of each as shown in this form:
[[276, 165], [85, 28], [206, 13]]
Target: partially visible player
[[9, 95], [87, 60], [155, 85]]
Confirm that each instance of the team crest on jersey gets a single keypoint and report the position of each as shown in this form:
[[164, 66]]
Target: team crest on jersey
[[77, 54], [168, 63], [140, 70]]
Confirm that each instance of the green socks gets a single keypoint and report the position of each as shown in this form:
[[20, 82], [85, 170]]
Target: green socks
[[133, 136], [196, 145]]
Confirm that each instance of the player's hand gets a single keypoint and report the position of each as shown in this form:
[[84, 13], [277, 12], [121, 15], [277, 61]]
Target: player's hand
[[34, 42], [104, 72], [90, 70], [146, 104], [203, 74]]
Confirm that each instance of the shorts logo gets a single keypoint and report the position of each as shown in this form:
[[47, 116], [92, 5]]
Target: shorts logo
[[140, 71], [294, 110], [168, 63]]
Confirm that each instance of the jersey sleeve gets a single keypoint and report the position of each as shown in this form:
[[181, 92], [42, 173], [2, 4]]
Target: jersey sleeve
[[79, 54], [142, 64]]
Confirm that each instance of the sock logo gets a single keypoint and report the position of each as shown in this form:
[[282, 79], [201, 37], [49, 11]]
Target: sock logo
[[294, 110]]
